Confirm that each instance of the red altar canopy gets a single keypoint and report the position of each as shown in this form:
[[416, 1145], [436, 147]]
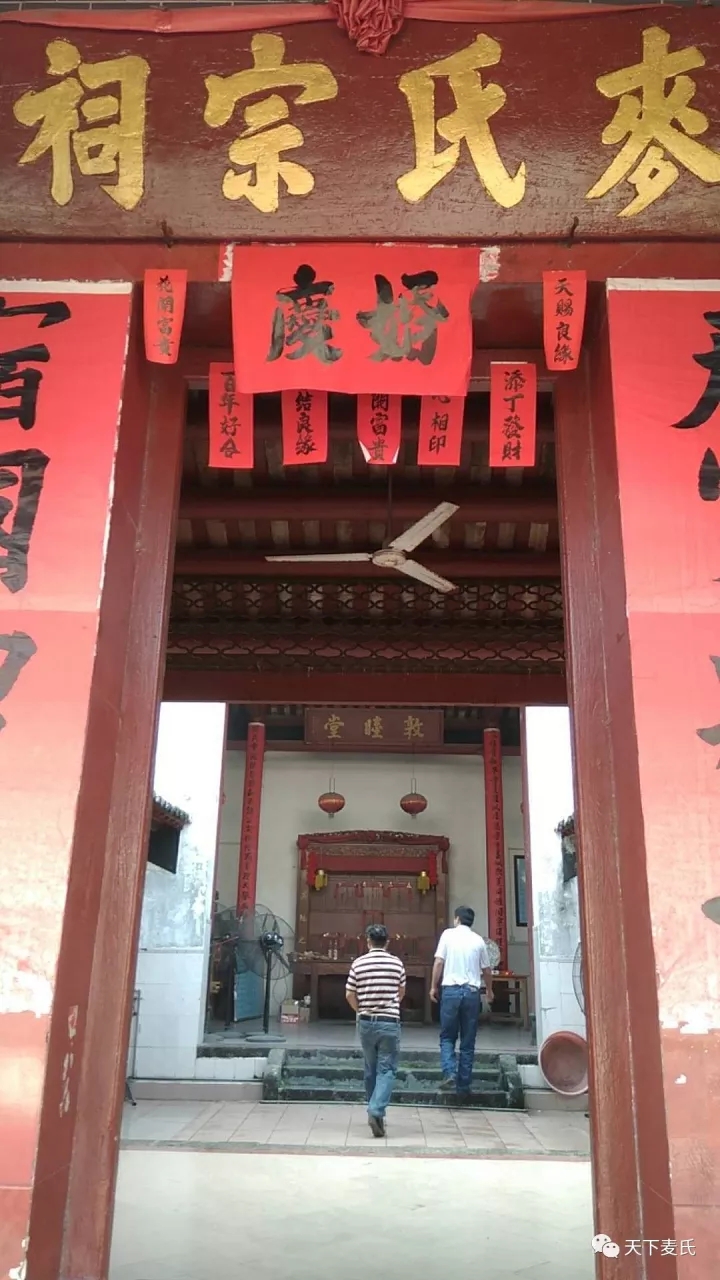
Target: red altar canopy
[[360, 319]]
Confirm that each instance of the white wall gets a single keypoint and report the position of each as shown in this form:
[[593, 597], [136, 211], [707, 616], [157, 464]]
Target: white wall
[[372, 786], [174, 931], [556, 916]]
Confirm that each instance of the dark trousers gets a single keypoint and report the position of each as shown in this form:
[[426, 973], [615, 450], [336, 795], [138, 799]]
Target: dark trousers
[[459, 1016]]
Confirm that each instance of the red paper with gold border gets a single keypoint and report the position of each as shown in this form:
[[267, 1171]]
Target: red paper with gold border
[[362, 319], [513, 414], [304, 427], [441, 430], [163, 312], [230, 421], [564, 299], [379, 429], [664, 348]]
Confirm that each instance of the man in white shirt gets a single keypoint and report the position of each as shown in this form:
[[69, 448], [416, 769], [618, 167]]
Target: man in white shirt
[[461, 965]]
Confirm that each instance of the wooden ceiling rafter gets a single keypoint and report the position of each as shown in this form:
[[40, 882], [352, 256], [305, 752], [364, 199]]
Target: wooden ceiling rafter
[[477, 503], [458, 566]]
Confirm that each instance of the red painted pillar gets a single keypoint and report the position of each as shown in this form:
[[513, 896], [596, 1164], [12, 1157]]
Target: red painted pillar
[[250, 823], [495, 842], [72, 452]]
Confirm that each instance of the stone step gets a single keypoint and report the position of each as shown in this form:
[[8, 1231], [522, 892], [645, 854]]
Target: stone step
[[295, 1075], [488, 1100], [355, 1071]]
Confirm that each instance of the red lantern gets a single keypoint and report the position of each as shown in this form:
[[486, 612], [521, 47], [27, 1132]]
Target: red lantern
[[413, 803], [331, 802]]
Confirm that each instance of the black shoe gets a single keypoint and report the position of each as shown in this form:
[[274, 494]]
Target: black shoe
[[377, 1126], [447, 1085]]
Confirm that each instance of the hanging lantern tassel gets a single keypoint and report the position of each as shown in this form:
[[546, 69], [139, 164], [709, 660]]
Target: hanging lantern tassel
[[423, 882], [163, 311]]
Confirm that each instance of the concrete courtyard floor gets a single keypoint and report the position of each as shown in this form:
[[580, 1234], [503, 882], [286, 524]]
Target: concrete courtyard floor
[[200, 1215], [249, 1126]]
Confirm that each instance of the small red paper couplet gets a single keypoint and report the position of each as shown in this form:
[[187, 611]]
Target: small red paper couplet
[[379, 429], [304, 427], [441, 428], [163, 311], [230, 421], [513, 414], [564, 298]]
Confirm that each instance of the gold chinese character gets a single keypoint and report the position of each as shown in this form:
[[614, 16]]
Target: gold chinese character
[[647, 120], [333, 726], [261, 144], [374, 727], [413, 728], [115, 148], [475, 104]]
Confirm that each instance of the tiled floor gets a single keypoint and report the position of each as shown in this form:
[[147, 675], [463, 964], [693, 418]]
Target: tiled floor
[[241, 1125], [498, 1038], [192, 1215]]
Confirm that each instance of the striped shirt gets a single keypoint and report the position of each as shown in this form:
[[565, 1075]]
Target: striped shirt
[[376, 979]]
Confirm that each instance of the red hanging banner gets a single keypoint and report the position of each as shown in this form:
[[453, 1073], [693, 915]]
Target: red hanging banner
[[441, 429], [564, 298], [230, 421], [513, 414], [495, 842], [304, 427], [379, 429], [250, 822], [362, 319], [163, 311], [665, 370]]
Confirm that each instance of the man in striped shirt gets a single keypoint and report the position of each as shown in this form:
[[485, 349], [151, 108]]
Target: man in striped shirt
[[375, 989]]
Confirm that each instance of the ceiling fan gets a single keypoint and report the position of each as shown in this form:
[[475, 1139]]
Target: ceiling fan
[[395, 554]]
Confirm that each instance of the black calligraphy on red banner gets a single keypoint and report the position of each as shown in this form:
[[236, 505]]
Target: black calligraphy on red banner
[[513, 414], [304, 427], [163, 312]]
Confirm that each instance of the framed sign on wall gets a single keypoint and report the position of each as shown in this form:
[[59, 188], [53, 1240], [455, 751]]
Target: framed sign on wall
[[520, 891]]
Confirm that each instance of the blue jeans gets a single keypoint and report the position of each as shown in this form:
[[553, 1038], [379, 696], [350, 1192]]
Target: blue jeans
[[380, 1042], [459, 1015]]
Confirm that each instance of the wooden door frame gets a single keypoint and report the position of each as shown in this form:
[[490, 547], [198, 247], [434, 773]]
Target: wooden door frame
[[630, 1155]]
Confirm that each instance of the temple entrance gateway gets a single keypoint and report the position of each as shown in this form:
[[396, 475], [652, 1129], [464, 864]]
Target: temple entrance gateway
[[583, 567]]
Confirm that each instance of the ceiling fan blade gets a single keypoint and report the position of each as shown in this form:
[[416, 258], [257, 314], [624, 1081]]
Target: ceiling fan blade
[[358, 557], [418, 571], [422, 529]]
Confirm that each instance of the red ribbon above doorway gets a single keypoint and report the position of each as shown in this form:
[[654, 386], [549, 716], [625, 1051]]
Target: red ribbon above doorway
[[370, 24]]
